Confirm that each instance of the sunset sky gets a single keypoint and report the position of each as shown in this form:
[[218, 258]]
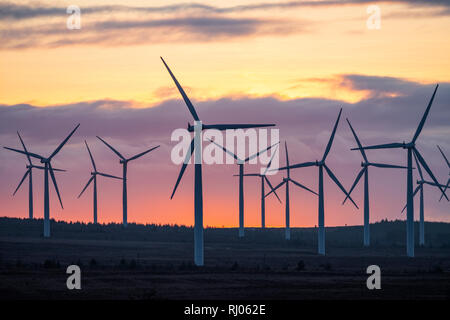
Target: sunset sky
[[292, 63]]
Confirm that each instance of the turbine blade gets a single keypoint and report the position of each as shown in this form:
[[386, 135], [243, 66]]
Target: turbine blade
[[428, 170], [330, 142], [382, 146], [418, 167], [43, 168], [109, 175], [260, 152], [355, 183], [425, 115], [236, 126], [302, 186], [52, 174], [288, 169], [183, 167], [298, 165], [142, 153], [445, 189], [90, 155], [270, 162], [271, 187], [442, 152], [114, 150], [248, 175], [85, 187], [383, 165], [63, 143], [415, 192], [274, 189], [24, 148], [363, 153], [21, 181], [434, 184], [34, 155], [226, 150], [183, 94], [333, 177]]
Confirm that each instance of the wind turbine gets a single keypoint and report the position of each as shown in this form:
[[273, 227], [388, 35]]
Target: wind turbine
[[365, 164], [94, 178], [419, 187], [48, 168], [411, 148], [286, 181], [124, 163], [448, 164], [29, 174], [241, 175], [264, 179], [196, 144], [321, 165]]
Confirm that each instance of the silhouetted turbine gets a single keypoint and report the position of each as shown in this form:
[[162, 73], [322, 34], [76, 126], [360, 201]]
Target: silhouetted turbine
[[321, 165], [94, 178], [448, 164], [48, 168], [124, 163], [411, 148], [365, 170], [286, 181], [420, 184], [264, 179], [198, 195], [240, 163], [29, 174]]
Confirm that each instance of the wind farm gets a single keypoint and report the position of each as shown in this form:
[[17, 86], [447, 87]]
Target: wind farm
[[321, 165], [411, 149], [286, 181], [47, 169], [285, 252], [241, 175]]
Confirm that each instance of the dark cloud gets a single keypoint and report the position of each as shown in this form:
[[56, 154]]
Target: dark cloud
[[10, 10], [129, 32]]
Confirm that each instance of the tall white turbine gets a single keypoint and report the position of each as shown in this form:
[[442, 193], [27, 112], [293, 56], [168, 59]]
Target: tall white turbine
[[420, 184], [124, 163], [29, 173], [196, 144], [241, 176], [411, 148], [94, 178], [365, 164], [286, 181], [321, 165], [448, 165], [48, 168]]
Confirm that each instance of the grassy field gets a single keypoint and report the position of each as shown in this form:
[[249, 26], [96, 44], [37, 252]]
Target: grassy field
[[155, 262]]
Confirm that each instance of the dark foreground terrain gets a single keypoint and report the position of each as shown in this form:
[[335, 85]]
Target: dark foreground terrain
[[155, 262]]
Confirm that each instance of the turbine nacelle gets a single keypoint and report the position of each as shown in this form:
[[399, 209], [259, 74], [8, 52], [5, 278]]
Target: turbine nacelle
[[408, 145]]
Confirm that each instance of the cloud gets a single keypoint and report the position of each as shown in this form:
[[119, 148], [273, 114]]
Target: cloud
[[38, 25], [142, 31], [9, 10]]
